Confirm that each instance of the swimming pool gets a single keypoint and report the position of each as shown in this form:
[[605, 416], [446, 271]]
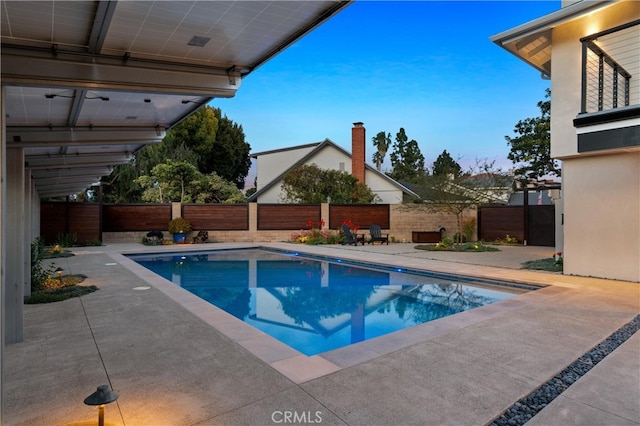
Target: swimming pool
[[316, 304]]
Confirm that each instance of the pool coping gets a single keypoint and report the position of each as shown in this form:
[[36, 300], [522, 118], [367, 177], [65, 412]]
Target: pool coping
[[299, 367]]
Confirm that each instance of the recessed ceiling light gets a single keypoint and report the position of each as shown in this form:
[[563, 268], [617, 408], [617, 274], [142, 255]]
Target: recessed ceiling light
[[198, 41]]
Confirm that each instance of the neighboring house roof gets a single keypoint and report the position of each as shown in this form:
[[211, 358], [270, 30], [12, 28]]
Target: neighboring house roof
[[319, 146], [533, 198], [289, 148], [498, 192], [428, 193], [531, 42]]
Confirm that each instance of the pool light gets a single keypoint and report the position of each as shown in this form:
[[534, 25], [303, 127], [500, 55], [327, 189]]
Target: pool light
[[102, 396]]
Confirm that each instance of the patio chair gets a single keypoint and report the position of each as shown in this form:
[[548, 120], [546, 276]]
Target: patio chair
[[202, 237], [376, 235], [351, 237]]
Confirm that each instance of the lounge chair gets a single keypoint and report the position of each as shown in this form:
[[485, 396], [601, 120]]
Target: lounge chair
[[351, 237], [376, 235]]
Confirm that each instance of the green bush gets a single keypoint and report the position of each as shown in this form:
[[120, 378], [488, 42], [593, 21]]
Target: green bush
[[449, 246], [39, 274], [468, 227], [460, 238], [59, 294], [67, 240], [179, 225]]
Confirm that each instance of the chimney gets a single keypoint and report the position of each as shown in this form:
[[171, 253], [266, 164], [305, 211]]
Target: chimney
[[357, 151]]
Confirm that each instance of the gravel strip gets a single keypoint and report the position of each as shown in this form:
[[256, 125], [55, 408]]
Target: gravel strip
[[527, 407]]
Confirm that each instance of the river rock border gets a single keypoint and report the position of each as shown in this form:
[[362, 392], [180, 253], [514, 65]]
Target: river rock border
[[525, 408]]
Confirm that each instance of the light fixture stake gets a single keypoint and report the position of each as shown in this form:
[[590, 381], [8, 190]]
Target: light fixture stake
[[102, 396]]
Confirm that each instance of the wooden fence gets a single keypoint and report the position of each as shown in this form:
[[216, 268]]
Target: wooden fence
[[533, 224], [88, 220], [272, 222]]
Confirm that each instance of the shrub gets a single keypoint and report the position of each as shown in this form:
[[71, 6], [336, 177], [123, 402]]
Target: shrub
[[179, 225], [460, 238], [315, 237], [449, 246], [39, 274], [507, 240], [468, 228], [60, 294], [67, 240]]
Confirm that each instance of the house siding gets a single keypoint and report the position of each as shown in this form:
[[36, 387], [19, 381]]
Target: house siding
[[328, 158]]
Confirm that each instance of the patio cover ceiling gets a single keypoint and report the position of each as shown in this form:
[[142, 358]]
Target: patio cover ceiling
[[88, 83], [531, 42]]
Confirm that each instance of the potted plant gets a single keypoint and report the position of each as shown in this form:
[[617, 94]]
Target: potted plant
[[180, 228]]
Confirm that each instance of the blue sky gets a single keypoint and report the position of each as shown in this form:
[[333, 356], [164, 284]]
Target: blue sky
[[426, 66]]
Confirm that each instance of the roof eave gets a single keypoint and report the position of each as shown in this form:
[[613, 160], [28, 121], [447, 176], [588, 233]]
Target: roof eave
[[538, 27]]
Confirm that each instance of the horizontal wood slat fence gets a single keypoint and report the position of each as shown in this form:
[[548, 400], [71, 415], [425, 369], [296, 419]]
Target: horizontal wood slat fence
[[287, 216], [135, 217], [217, 217], [362, 216], [89, 220], [59, 219], [276, 222], [534, 225]]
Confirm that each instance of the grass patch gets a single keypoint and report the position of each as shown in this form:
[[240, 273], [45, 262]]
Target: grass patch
[[56, 290], [543, 265], [465, 247]]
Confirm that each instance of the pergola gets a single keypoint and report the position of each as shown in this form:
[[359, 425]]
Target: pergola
[[85, 84]]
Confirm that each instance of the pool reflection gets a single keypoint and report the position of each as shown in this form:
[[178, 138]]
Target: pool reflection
[[315, 305]]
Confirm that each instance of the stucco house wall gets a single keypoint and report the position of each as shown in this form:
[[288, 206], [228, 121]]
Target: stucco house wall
[[601, 189], [566, 71], [599, 231], [602, 216]]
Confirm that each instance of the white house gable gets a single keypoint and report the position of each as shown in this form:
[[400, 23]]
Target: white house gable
[[271, 164]]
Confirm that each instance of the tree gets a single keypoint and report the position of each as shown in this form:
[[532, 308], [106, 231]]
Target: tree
[[381, 142], [406, 159], [308, 184], [122, 186], [229, 157], [169, 180], [197, 133], [445, 166], [479, 185], [181, 181], [214, 189], [531, 150], [205, 139]]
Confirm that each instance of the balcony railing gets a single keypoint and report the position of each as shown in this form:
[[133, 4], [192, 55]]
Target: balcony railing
[[609, 61]]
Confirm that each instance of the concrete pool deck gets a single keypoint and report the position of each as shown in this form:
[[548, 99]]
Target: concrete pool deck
[[176, 360]]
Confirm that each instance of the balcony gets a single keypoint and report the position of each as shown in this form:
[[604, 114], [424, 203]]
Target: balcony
[[610, 104]]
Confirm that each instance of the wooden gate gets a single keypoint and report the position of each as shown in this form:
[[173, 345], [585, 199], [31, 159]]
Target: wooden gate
[[534, 224]]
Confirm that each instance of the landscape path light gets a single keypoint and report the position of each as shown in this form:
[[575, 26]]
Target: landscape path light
[[102, 396], [59, 272]]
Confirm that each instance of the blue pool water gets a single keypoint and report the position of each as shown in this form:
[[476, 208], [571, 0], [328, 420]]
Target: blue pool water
[[316, 304]]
